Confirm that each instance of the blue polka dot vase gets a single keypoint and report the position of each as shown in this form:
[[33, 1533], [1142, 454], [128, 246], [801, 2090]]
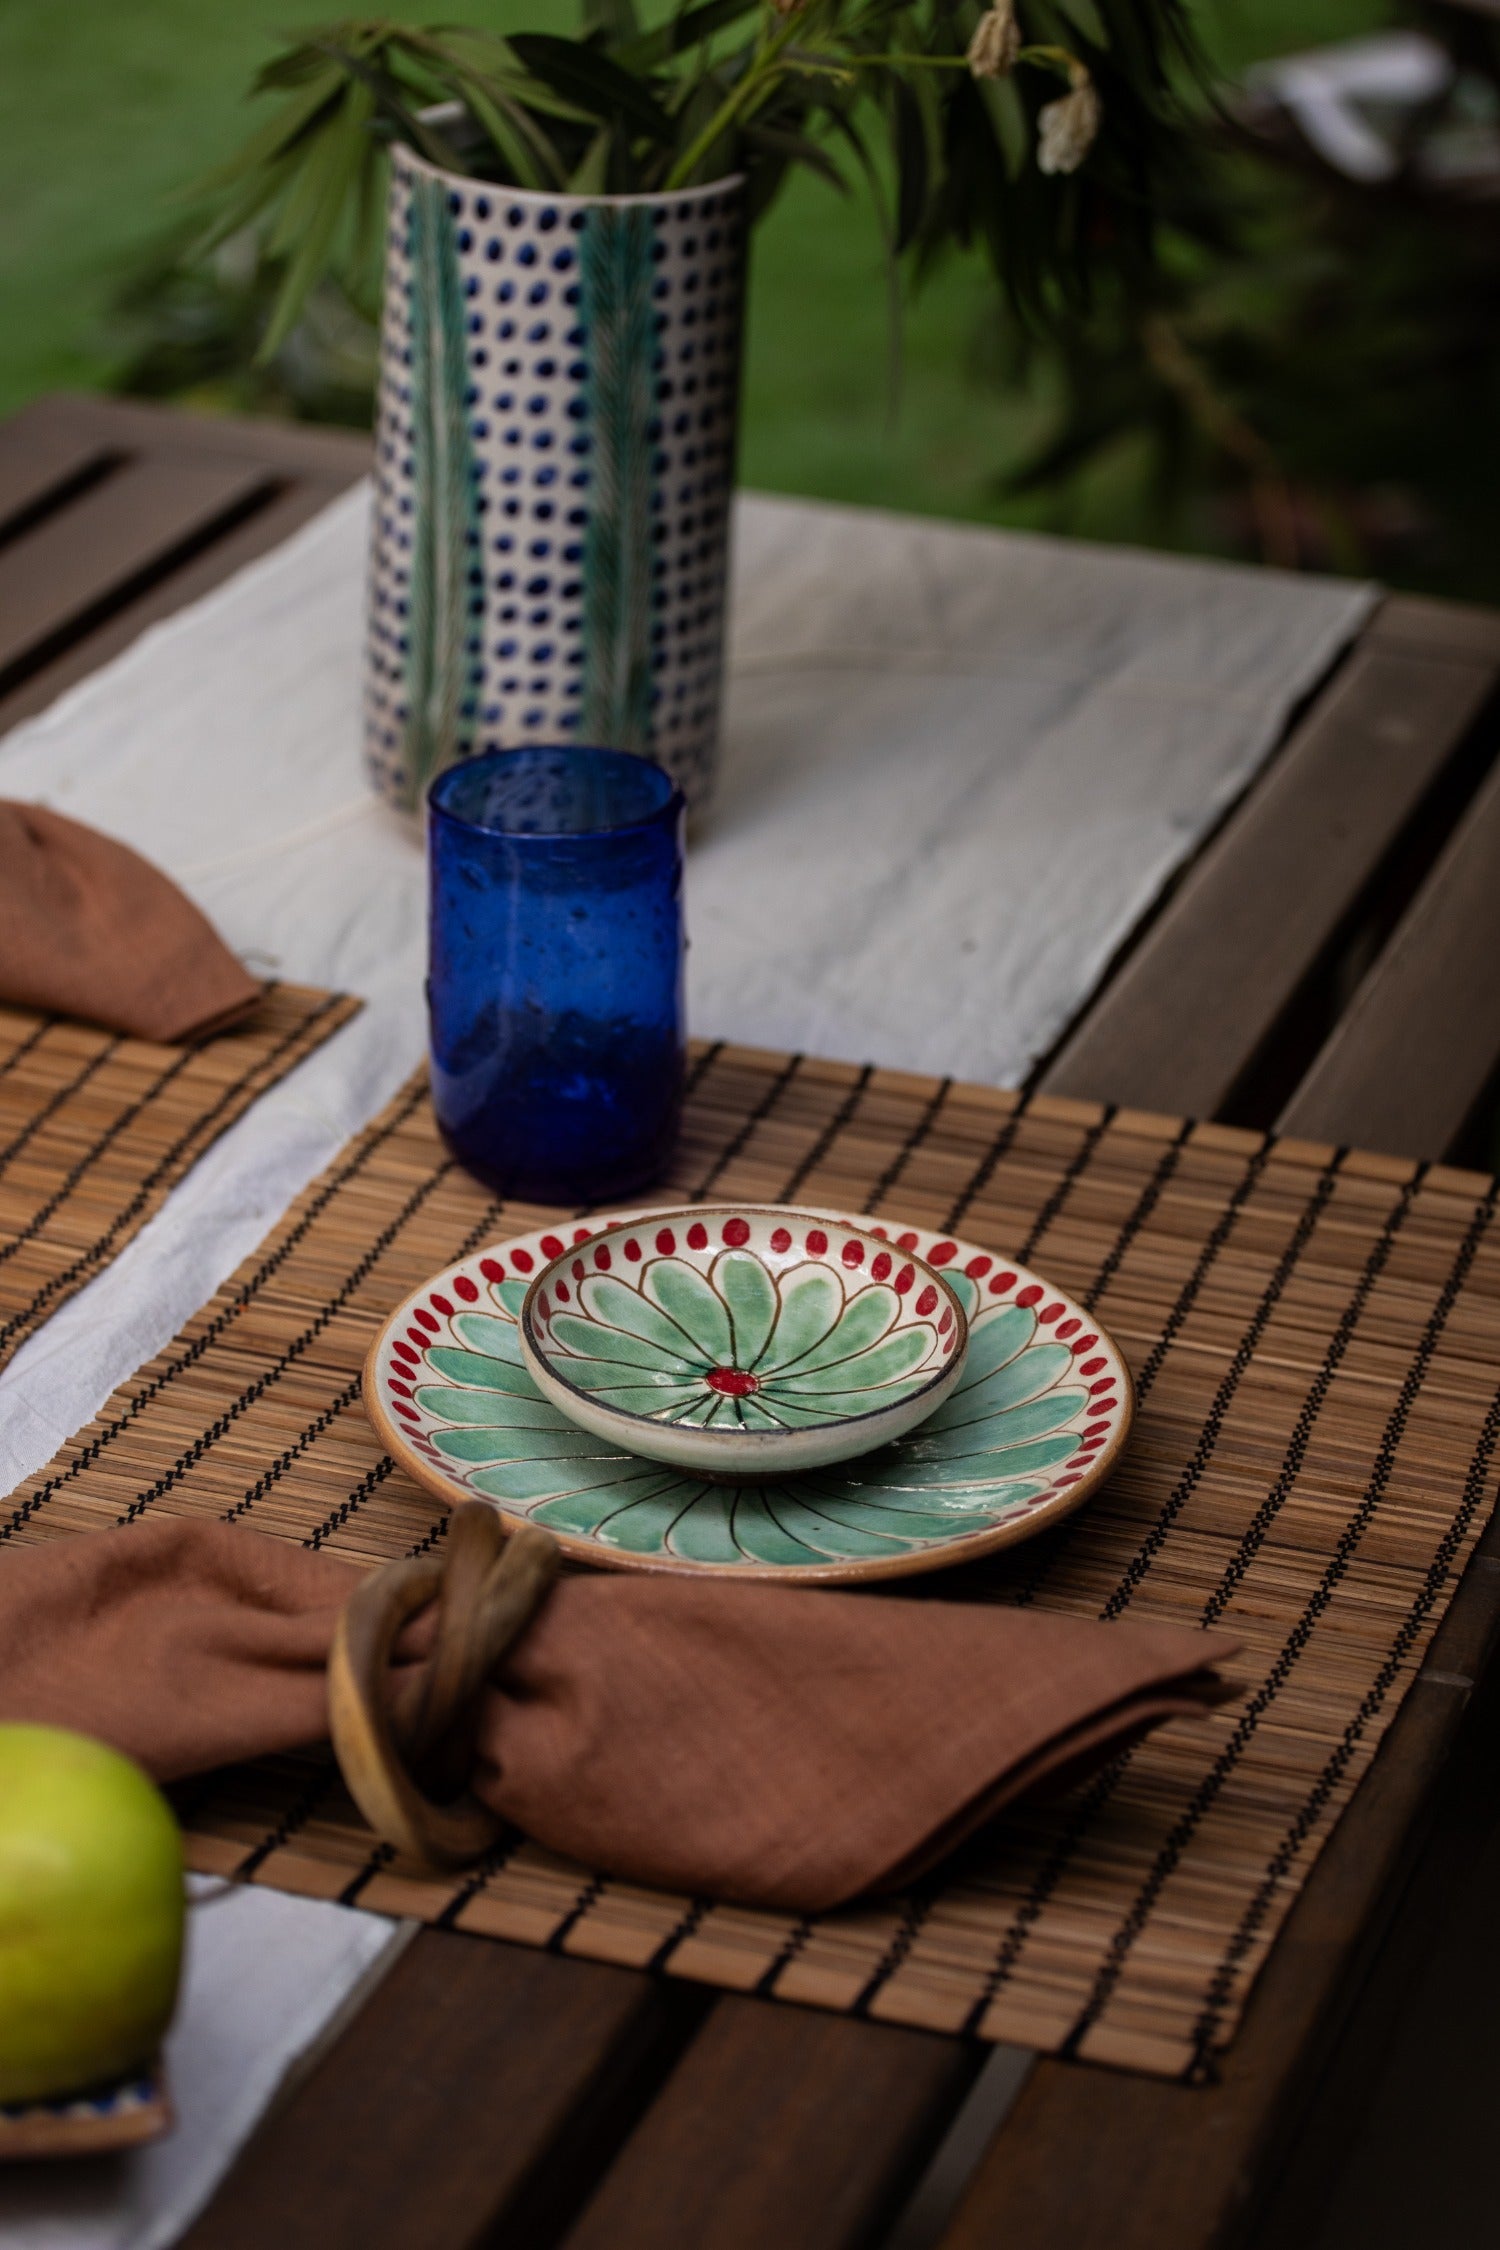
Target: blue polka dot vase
[[554, 461]]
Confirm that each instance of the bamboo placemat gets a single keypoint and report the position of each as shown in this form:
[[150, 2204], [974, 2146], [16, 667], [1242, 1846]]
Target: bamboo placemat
[[96, 1130], [1316, 1339]]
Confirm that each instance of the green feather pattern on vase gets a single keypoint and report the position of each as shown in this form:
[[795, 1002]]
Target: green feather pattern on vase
[[616, 271], [440, 672]]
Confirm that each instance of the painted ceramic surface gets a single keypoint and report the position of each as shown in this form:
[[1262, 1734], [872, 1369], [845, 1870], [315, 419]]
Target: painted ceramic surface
[[1039, 1413], [743, 1341], [553, 464]]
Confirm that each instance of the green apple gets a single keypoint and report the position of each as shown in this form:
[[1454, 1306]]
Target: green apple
[[91, 1913]]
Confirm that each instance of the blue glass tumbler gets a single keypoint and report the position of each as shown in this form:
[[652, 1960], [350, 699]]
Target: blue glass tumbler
[[555, 970]]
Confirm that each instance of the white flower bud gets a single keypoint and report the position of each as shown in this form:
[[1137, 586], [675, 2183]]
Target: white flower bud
[[996, 42], [1066, 127]]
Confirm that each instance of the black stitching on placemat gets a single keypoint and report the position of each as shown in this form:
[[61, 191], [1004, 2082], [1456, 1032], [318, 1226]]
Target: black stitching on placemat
[[90, 1156], [915, 1910], [143, 1193], [1257, 1531], [503, 1849], [1055, 1867], [336, 1518], [1292, 1648], [327, 1415], [295, 1816], [700, 1069], [587, 1898], [226, 1314], [761, 1111], [1207, 1257], [828, 1136], [54, 1102], [257, 1387], [770, 1976], [1317, 1798], [381, 1856], [1145, 1204], [984, 1170], [1044, 1883], [33, 1038], [1077, 1166], [908, 1149], [687, 1926], [1049, 1553], [1234, 1374]]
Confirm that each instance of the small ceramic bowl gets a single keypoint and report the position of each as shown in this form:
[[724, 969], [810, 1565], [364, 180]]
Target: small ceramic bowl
[[742, 1342]]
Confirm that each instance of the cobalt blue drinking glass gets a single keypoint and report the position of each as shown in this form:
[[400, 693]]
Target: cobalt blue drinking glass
[[555, 970]]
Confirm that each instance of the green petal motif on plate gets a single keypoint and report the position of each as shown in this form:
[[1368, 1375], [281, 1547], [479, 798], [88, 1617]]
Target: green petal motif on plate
[[1031, 1406], [739, 1345]]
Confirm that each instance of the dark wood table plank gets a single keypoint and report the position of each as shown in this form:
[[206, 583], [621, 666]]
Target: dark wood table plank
[[1180, 1024], [1415, 1050], [134, 427], [283, 511], [37, 464], [780, 2127], [184, 502], [425, 2124], [132, 522]]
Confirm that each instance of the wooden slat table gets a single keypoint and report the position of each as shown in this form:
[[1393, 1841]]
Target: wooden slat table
[[1325, 965]]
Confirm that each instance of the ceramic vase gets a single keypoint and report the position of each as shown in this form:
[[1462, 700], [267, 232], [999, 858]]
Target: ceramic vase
[[555, 447]]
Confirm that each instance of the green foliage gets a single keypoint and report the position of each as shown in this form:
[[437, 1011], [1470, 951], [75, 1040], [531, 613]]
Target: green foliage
[[1308, 375], [878, 90]]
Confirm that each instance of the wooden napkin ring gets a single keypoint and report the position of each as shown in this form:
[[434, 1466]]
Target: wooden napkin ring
[[488, 1587]]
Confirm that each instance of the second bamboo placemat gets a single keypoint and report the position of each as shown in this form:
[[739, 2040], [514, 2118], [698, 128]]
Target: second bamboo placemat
[[1315, 1337], [97, 1129]]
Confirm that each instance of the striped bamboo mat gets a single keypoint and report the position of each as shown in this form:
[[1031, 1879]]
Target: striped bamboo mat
[[96, 1130], [1316, 1340]]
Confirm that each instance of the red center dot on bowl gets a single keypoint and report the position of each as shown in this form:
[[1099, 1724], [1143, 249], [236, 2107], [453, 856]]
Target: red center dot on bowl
[[736, 1233], [666, 1241], [552, 1247], [731, 1381], [781, 1241], [817, 1243], [697, 1236]]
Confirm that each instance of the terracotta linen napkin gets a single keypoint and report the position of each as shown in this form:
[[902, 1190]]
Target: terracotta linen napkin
[[88, 928], [779, 1746]]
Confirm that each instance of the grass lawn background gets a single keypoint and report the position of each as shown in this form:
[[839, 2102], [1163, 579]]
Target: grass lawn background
[[109, 107]]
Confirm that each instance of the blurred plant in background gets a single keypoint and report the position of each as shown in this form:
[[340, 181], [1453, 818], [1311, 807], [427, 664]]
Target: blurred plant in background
[[964, 128], [1303, 370], [1310, 375]]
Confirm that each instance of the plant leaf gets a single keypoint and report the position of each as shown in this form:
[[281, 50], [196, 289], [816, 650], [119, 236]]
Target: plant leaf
[[583, 75]]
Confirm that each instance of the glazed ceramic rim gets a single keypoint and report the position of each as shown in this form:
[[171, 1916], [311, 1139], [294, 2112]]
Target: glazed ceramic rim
[[465, 183], [729, 1442], [579, 1548]]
